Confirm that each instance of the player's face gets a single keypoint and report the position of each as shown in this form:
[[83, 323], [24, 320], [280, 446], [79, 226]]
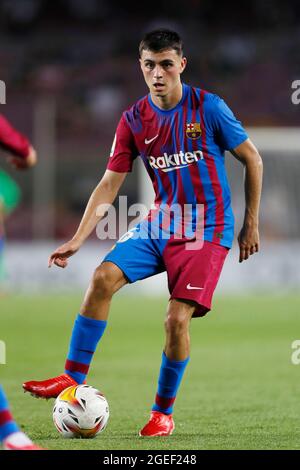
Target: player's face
[[162, 71]]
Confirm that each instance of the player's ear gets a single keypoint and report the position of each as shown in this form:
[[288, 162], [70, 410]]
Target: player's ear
[[183, 64], [141, 63]]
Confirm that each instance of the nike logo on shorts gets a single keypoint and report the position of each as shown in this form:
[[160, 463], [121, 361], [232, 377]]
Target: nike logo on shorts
[[189, 287], [150, 140]]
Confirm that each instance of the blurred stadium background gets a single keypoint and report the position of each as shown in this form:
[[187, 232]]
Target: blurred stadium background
[[71, 68]]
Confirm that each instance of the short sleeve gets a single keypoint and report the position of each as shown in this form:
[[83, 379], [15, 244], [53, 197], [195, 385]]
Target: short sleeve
[[12, 140], [123, 150], [229, 131]]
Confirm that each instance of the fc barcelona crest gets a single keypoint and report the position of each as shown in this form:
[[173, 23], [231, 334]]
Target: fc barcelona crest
[[193, 130]]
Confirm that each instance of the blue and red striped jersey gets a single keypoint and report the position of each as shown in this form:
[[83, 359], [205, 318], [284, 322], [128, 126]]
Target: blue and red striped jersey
[[183, 151]]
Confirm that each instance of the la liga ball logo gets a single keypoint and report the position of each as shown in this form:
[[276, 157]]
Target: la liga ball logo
[[193, 130], [80, 411]]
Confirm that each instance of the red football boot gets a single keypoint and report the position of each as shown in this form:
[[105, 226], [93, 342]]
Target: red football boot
[[29, 447], [159, 424], [19, 441], [50, 388]]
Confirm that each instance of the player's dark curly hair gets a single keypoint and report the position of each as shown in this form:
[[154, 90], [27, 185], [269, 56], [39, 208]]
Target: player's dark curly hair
[[160, 40]]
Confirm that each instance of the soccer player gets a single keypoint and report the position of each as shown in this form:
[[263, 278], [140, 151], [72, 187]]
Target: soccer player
[[22, 156], [181, 133]]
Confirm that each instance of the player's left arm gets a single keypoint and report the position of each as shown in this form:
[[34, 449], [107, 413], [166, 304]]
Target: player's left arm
[[248, 237]]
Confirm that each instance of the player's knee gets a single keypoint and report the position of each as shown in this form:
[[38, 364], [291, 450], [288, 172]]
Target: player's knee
[[103, 282], [176, 323], [178, 317]]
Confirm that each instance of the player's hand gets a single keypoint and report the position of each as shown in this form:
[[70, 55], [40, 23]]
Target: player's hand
[[61, 255], [248, 241], [24, 163]]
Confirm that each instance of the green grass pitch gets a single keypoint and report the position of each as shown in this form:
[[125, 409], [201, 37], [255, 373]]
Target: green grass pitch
[[240, 390]]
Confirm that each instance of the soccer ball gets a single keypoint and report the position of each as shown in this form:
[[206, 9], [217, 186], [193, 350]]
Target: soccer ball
[[80, 411]]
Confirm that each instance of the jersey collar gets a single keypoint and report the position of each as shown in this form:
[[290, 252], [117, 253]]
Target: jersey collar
[[171, 110]]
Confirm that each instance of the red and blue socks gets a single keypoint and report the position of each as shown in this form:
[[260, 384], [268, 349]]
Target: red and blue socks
[[85, 337], [7, 423], [170, 376]]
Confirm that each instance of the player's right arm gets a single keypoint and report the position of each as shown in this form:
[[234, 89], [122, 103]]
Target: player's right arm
[[122, 154], [104, 194]]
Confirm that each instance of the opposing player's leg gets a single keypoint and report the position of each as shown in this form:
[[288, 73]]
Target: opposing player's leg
[[88, 329], [175, 358], [10, 435]]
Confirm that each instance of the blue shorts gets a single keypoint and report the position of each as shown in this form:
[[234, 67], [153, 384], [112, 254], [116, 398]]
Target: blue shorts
[[138, 255]]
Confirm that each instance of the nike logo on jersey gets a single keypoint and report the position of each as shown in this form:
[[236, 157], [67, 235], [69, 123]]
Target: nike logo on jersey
[[174, 168], [148, 141], [189, 287]]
